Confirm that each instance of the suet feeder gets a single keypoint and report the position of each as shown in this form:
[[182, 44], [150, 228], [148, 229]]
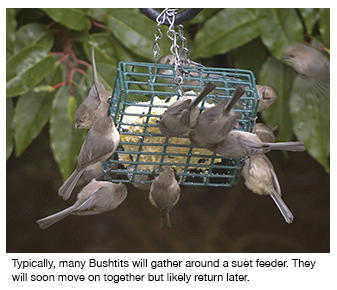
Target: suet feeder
[[140, 96]]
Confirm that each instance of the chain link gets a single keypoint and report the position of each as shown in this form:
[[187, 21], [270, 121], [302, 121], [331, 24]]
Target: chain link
[[184, 52], [158, 35], [180, 52]]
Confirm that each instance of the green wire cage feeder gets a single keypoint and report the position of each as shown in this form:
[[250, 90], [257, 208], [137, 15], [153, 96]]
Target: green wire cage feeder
[[141, 94]]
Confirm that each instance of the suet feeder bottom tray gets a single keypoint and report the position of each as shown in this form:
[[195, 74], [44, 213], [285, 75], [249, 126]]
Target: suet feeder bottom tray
[[141, 94]]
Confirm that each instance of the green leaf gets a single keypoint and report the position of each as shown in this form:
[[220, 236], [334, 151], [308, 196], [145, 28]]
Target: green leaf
[[79, 36], [97, 12], [82, 86], [10, 28], [280, 76], [279, 28], [32, 111], [33, 34], [135, 31], [251, 56], [310, 17], [65, 140], [105, 56], [124, 54], [324, 25], [204, 15], [71, 109], [104, 48], [226, 30], [27, 68], [310, 111], [73, 18], [9, 129], [108, 74]]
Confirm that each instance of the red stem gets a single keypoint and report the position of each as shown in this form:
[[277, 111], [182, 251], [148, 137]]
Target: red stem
[[82, 72], [71, 65], [59, 85], [97, 24]]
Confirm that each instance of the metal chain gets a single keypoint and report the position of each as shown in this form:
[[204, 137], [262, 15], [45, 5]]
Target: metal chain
[[158, 35], [175, 50], [184, 52], [180, 52]]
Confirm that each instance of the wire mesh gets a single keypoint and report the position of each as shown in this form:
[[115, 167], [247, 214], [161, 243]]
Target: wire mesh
[[141, 94]]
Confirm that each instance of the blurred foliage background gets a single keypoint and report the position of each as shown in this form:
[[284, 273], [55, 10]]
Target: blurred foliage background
[[48, 74]]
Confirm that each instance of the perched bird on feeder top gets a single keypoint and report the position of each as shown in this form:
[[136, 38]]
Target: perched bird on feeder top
[[191, 77]]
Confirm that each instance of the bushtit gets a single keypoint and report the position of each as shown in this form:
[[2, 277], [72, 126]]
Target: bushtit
[[95, 198], [102, 140], [261, 178], [183, 114], [265, 133], [188, 80], [308, 61], [164, 194], [214, 123], [93, 171], [95, 105], [240, 144], [267, 95]]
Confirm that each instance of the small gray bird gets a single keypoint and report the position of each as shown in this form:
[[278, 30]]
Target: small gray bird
[[308, 61], [260, 178], [182, 114], [191, 77], [95, 198], [241, 144], [92, 171], [214, 123], [102, 140], [164, 195], [96, 104], [268, 96], [265, 133]]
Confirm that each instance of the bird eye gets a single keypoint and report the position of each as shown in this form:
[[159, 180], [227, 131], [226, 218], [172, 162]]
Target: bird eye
[[291, 55]]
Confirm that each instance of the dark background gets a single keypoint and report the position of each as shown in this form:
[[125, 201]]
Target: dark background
[[204, 220]]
